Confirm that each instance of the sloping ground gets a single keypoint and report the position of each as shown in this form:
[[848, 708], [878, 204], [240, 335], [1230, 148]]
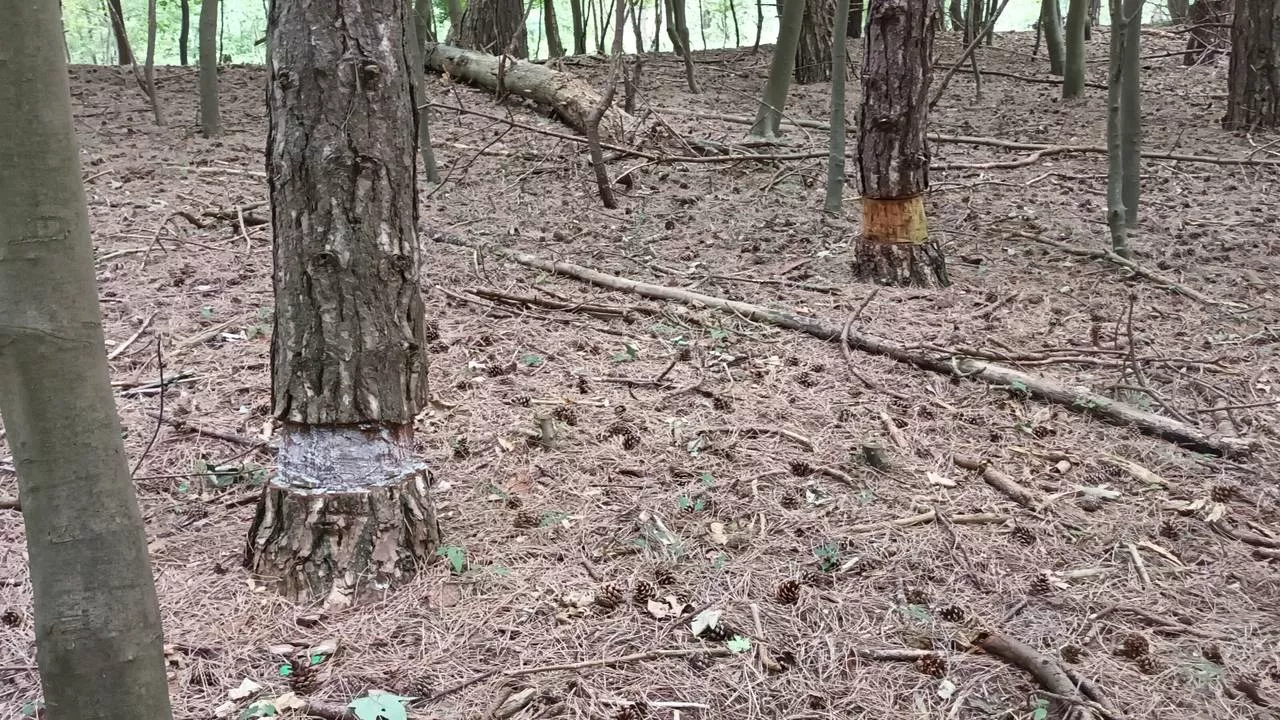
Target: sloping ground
[[673, 472]]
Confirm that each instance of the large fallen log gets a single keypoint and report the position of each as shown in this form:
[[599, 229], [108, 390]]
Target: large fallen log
[[1045, 389], [571, 97]]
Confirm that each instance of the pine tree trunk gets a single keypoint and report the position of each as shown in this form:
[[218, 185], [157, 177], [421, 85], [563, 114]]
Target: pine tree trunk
[[839, 71], [1073, 64], [493, 26], [774, 100], [813, 57], [210, 117], [97, 627], [552, 29], [349, 512], [579, 28], [1051, 23], [1253, 80], [892, 151], [124, 56], [184, 30]]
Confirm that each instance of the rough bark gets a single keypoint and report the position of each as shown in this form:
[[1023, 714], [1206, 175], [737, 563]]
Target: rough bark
[[1253, 81], [571, 98], [420, 94], [893, 153], [97, 623], [1207, 39], [210, 116], [956, 11], [769, 117], [1073, 62], [424, 21], [579, 28], [1131, 110], [1051, 24], [184, 30], [839, 70], [813, 56], [492, 26], [552, 29], [349, 512], [124, 55], [455, 13]]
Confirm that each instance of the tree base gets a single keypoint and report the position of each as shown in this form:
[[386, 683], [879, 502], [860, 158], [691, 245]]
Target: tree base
[[895, 248], [348, 515]]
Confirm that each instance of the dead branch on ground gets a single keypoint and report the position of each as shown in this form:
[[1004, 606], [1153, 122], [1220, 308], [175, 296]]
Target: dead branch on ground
[[1047, 672], [7, 503], [1014, 490]]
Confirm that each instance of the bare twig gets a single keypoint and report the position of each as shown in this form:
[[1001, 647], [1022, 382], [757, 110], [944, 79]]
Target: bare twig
[[119, 350], [1012, 489], [1046, 671]]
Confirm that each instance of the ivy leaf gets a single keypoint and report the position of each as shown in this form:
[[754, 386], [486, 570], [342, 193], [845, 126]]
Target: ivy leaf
[[379, 706], [456, 556], [738, 644]]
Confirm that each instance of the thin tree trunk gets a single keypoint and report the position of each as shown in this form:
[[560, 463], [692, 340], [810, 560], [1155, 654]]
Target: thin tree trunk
[[149, 69], [493, 26], [682, 32], [1115, 148], [424, 21], [893, 154], [660, 9], [737, 32], [349, 512], [1073, 65], [1253, 77], [124, 55], [1051, 23], [839, 70], [455, 15], [855, 18], [579, 28], [774, 100], [813, 55], [552, 29], [184, 30], [673, 27], [1095, 10], [755, 47], [603, 184], [637, 25], [416, 50], [956, 10], [987, 13], [702, 24], [210, 116], [97, 626], [1177, 11], [1131, 110]]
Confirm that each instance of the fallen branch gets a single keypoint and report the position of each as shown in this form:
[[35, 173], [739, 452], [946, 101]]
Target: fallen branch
[[1047, 672], [758, 432], [890, 654], [998, 480], [119, 350], [201, 430], [928, 517], [8, 503], [1245, 536], [1043, 389], [1112, 257]]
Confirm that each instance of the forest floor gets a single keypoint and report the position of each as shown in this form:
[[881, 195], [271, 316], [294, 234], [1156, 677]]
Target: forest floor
[[679, 479]]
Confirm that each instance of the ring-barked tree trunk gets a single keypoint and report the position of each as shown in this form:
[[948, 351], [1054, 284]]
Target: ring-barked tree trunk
[[1253, 80], [349, 512], [492, 26], [893, 156], [813, 56], [98, 638]]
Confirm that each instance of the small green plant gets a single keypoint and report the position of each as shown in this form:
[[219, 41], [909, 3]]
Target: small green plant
[[259, 709], [33, 709], [531, 360], [828, 555], [738, 644], [706, 479], [380, 706], [692, 504], [206, 312], [552, 517], [456, 557], [630, 353], [1041, 710]]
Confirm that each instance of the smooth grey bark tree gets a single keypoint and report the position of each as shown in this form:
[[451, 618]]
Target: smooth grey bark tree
[[552, 29], [349, 512], [98, 636], [1124, 116], [680, 24], [424, 20], [1051, 24], [210, 115], [768, 121], [184, 30], [839, 71], [417, 49], [1073, 61], [149, 67]]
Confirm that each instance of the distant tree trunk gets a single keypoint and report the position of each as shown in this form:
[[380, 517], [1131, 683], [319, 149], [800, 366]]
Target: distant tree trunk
[[493, 26], [813, 56], [349, 511], [972, 20], [769, 117], [839, 69], [681, 25], [892, 151], [956, 11], [637, 25], [418, 75], [1177, 11], [737, 32], [1124, 113], [210, 117], [97, 626], [1095, 11], [552, 29], [184, 31], [602, 24], [579, 28], [149, 67], [455, 14], [1253, 79], [673, 31], [116, 13], [1207, 40], [1073, 65], [755, 48], [702, 24], [1131, 109], [854, 25], [1051, 23], [424, 21]]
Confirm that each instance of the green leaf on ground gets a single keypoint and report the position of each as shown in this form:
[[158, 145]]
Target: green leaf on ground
[[379, 706], [738, 644], [456, 556]]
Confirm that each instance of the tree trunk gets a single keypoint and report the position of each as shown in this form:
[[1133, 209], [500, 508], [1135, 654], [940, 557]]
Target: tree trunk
[[416, 47], [1095, 10], [579, 28], [1207, 39], [184, 30], [769, 116], [1253, 80], [956, 11], [455, 15], [1073, 65], [854, 25], [116, 13], [755, 47], [1177, 11], [571, 98], [349, 512], [1115, 149], [210, 117], [673, 31], [681, 25], [737, 31], [892, 152], [637, 25], [972, 20], [97, 623], [1051, 23], [493, 26], [552, 29], [813, 56], [424, 21], [149, 67], [602, 25], [660, 10], [702, 24], [839, 70], [1131, 110]]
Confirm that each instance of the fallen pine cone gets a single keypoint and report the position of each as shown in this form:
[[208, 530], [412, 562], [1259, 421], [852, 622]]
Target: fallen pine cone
[[788, 592]]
